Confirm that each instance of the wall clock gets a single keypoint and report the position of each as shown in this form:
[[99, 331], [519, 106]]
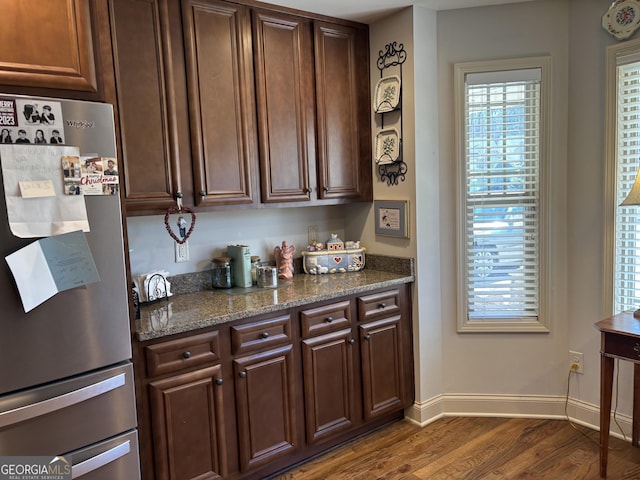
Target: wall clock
[[622, 18]]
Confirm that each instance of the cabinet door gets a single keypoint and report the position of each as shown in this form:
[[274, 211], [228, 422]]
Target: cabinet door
[[265, 406], [47, 44], [329, 381], [221, 101], [283, 58], [382, 366], [343, 111], [146, 116], [188, 426]]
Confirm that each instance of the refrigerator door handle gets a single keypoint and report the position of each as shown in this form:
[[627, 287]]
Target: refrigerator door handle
[[101, 460], [28, 412]]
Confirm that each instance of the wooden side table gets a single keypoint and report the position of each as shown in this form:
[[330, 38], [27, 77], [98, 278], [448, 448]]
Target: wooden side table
[[620, 338]]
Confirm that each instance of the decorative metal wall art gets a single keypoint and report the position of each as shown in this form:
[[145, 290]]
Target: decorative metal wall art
[[387, 98]]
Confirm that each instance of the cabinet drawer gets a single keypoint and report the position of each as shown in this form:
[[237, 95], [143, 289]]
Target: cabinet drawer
[[379, 305], [182, 353], [622, 346], [262, 334], [326, 318]]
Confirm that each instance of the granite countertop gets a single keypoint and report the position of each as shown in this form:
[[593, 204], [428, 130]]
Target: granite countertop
[[190, 311]]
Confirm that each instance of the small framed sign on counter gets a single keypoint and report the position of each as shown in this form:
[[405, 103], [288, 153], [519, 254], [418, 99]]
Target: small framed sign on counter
[[391, 218]]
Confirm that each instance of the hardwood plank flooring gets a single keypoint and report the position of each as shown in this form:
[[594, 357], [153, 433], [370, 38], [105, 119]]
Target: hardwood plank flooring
[[465, 448]]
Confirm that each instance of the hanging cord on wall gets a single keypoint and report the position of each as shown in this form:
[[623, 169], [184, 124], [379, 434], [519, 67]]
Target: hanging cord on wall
[[615, 408]]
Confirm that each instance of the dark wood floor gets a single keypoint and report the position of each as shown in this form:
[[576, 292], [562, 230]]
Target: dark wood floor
[[474, 449]]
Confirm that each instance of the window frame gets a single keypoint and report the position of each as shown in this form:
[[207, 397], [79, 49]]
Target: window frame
[[539, 324], [614, 53]]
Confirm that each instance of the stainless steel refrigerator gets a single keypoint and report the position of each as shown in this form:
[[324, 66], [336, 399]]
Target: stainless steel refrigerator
[[66, 380]]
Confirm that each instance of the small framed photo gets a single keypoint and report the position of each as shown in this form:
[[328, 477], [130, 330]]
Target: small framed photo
[[391, 218]]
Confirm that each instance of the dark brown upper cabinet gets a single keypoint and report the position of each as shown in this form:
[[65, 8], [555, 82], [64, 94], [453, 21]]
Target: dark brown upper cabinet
[[221, 101], [283, 59], [342, 97], [55, 48], [239, 105], [223, 104], [312, 81], [145, 104], [47, 44]]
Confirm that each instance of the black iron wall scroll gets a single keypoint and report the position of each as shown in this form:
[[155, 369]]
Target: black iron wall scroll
[[387, 99]]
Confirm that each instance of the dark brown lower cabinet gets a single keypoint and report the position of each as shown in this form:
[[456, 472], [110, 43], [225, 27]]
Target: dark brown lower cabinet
[[384, 331], [382, 376], [188, 425], [247, 399], [329, 390], [265, 406]]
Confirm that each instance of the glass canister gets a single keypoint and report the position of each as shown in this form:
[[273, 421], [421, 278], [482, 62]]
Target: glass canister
[[221, 273], [255, 263]]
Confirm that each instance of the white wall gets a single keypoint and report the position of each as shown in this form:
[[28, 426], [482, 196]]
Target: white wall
[[585, 194], [570, 31], [151, 247], [522, 364], [517, 365], [415, 30]]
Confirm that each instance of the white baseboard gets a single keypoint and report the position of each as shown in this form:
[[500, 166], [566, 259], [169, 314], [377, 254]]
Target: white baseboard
[[513, 406]]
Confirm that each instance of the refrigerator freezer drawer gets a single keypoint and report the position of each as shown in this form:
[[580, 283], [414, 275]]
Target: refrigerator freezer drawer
[[68, 415], [109, 460]]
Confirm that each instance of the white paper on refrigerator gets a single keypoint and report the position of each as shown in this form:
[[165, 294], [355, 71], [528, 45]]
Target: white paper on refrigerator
[[46, 215], [51, 265]]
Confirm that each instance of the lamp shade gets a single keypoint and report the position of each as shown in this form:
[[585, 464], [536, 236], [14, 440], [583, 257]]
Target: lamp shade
[[633, 197]]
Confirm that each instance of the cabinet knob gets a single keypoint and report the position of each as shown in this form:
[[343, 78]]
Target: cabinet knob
[[186, 354], [383, 305], [242, 374], [178, 194], [203, 194], [329, 319], [352, 341], [264, 335], [307, 190], [219, 381], [367, 337], [325, 189]]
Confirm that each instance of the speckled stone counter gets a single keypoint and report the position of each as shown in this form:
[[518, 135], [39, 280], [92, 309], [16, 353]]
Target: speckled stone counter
[[190, 311]]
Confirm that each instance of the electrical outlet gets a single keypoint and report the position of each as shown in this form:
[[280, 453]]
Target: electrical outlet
[[576, 361], [182, 252]]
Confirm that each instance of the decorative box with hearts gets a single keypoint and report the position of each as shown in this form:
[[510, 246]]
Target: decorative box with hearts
[[333, 261]]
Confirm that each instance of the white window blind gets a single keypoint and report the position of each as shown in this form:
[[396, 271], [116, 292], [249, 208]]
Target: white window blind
[[627, 219], [502, 118]]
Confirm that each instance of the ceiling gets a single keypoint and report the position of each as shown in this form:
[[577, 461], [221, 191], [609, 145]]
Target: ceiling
[[368, 11]]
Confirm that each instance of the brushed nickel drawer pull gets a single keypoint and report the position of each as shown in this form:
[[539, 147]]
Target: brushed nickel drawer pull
[[101, 460], [186, 354], [329, 319], [264, 335], [59, 402], [242, 374]]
